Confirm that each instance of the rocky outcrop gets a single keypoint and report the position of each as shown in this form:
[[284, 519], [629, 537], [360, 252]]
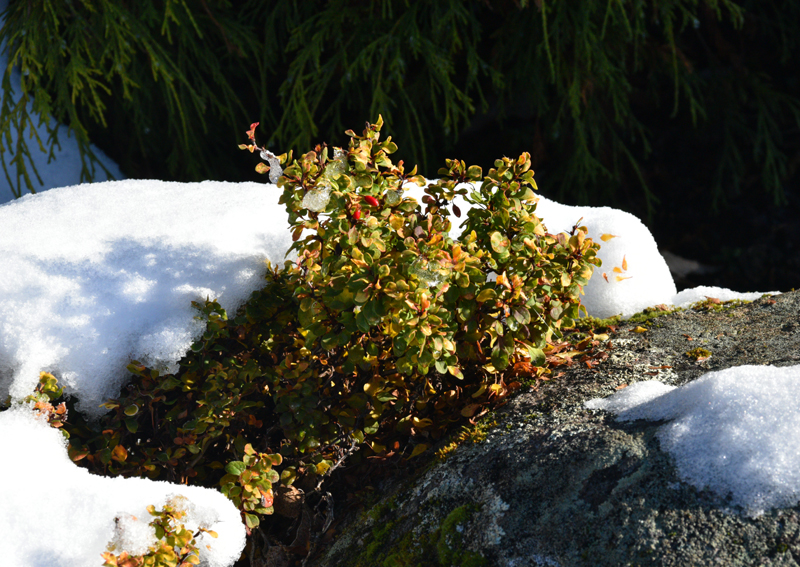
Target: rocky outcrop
[[556, 484]]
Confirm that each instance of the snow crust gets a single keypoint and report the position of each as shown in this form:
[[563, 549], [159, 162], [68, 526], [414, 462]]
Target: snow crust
[[733, 431], [688, 296]]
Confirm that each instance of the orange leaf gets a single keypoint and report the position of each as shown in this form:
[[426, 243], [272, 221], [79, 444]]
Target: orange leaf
[[624, 264], [605, 277], [76, 455], [119, 453]]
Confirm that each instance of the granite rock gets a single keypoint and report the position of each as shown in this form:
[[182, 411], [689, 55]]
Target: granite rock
[[556, 484]]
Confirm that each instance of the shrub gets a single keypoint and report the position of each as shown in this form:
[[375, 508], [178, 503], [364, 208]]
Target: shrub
[[382, 334]]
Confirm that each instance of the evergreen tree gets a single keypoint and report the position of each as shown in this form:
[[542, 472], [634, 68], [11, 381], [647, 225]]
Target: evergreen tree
[[609, 96]]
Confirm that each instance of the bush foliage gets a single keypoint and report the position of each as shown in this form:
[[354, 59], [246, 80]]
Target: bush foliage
[[381, 335]]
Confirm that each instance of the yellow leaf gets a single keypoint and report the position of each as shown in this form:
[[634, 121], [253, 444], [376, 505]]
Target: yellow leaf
[[639, 329], [421, 423], [480, 391], [617, 270], [624, 264], [620, 278], [607, 237], [419, 449]]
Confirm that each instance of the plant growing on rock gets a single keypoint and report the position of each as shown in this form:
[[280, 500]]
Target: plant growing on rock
[[397, 327], [379, 336]]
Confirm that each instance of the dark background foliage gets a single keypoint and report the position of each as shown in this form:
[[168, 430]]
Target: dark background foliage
[[683, 112]]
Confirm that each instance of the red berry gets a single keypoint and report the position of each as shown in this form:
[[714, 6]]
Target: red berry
[[357, 214], [371, 200]]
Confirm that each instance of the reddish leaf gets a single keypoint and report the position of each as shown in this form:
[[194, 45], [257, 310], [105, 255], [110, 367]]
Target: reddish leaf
[[251, 133]]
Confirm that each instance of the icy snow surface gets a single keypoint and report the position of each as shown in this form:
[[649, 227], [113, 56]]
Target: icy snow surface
[[734, 431]]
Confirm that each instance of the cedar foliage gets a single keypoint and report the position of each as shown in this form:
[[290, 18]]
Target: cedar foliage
[[603, 94]]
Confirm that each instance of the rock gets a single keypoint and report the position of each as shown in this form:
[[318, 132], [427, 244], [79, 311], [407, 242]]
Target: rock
[[556, 484]]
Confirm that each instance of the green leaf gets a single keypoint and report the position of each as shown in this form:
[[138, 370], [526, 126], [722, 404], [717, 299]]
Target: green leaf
[[235, 468], [251, 521], [474, 173], [455, 371], [536, 355], [499, 357], [521, 314]]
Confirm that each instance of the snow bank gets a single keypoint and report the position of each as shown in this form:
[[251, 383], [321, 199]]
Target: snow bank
[[97, 275]]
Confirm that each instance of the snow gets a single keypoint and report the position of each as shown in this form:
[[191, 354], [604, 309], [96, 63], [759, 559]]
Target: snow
[[97, 275], [733, 432], [55, 514]]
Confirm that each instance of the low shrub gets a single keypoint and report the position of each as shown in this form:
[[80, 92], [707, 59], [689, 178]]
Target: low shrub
[[379, 337]]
